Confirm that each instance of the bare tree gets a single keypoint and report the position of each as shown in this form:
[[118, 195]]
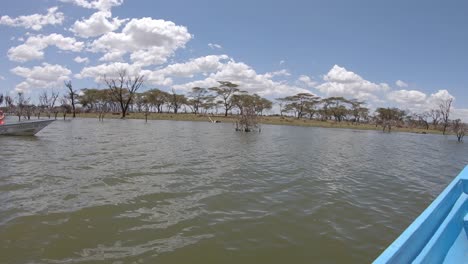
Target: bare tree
[[21, 103], [123, 88], [65, 106], [422, 118], [72, 95], [435, 115], [47, 101], [444, 107]]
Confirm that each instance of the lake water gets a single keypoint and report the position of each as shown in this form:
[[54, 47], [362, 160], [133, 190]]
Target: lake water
[[124, 191]]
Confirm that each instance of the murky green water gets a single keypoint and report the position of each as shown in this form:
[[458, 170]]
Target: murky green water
[[186, 192]]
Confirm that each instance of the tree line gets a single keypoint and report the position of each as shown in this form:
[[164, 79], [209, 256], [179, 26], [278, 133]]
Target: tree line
[[121, 96]]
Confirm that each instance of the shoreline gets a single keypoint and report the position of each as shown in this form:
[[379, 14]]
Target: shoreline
[[267, 120]]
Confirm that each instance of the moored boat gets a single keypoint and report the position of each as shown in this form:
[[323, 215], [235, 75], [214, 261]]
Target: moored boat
[[28, 128], [439, 234]]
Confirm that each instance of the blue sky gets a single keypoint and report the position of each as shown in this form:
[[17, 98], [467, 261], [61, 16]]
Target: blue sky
[[358, 49]]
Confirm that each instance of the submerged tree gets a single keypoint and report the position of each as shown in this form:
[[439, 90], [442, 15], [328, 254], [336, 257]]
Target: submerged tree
[[459, 129]]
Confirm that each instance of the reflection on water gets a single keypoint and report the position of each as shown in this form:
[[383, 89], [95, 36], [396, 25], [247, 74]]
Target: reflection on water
[[124, 191]]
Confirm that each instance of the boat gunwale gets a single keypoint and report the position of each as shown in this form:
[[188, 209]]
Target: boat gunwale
[[410, 244]]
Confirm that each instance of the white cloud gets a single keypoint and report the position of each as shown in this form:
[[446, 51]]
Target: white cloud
[[33, 48], [148, 41], [202, 65], [282, 72], [440, 95], [282, 62], [417, 101], [247, 79], [110, 70], [43, 76], [307, 81], [462, 114], [207, 64], [401, 84], [113, 56], [341, 82], [2, 78], [407, 97], [79, 59], [214, 46], [97, 24], [35, 21], [103, 5]]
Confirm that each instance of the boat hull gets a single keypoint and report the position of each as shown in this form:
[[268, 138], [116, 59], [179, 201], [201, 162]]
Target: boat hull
[[439, 234], [28, 128]]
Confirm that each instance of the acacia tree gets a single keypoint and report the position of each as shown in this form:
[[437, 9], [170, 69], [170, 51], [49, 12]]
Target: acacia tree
[[389, 116], [198, 97], [299, 102], [444, 107], [157, 98], [176, 101], [261, 104], [358, 111], [123, 88], [225, 91], [281, 102]]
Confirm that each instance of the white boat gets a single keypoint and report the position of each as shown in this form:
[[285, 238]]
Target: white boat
[[28, 128]]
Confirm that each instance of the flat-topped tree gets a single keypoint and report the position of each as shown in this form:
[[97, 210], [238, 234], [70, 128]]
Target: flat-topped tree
[[123, 88], [225, 92], [176, 101], [358, 111], [197, 96], [157, 98], [389, 116], [336, 107], [299, 102]]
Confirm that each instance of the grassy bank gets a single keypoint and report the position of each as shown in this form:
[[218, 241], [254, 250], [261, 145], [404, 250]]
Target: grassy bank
[[270, 120]]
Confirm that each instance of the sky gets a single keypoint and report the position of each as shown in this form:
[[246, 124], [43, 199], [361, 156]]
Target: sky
[[407, 54]]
